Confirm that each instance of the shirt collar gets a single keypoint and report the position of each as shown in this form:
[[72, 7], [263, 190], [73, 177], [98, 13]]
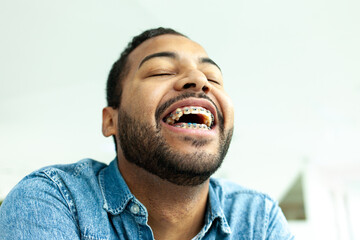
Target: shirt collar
[[114, 189], [215, 212], [117, 195]]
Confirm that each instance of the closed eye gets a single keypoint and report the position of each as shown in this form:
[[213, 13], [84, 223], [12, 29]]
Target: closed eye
[[213, 81], [161, 74]]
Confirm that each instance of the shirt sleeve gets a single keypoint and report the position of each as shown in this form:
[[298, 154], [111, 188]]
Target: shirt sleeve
[[36, 209], [277, 225]]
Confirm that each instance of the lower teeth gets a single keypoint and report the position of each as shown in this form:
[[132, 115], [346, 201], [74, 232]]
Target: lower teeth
[[193, 126]]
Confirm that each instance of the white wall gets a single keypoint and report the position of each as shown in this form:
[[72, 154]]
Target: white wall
[[291, 67], [332, 196]]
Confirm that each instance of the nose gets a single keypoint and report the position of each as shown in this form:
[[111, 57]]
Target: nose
[[195, 81]]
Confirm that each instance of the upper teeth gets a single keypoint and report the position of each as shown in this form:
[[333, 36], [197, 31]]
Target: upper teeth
[[175, 116]]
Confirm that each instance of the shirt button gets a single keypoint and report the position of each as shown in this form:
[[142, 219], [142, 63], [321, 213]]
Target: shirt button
[[135, 209]]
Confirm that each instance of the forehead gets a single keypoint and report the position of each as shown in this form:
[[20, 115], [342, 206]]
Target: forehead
[[183, 46]]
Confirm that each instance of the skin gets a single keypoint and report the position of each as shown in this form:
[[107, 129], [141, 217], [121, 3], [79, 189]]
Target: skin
[[175, 212]]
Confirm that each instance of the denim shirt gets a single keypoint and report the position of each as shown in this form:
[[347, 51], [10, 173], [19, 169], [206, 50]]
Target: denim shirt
[[90, 200]]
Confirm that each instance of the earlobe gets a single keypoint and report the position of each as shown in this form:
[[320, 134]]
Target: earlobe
[[109, 121]]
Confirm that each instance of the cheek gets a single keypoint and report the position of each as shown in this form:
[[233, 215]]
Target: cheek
[[226, 105], [143, 99]]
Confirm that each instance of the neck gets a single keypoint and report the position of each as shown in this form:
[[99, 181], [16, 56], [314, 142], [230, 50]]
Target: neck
[[175, 212]]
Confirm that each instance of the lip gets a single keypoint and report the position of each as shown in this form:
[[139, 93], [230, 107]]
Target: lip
[[196, 102], [193, 132]]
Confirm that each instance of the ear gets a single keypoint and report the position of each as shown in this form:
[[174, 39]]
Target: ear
[[109, 121]]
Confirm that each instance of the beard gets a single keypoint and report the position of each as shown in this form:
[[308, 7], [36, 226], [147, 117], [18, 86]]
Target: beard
[[144, 146]]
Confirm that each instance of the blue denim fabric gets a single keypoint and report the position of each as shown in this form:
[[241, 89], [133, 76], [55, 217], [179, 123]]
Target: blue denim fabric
[[90, 200]]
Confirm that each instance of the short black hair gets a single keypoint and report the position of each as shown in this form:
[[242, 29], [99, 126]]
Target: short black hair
[[120, 68]]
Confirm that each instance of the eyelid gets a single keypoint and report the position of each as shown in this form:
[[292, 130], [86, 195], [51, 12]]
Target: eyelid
[[159, 73], [214, 81], [214, 78]]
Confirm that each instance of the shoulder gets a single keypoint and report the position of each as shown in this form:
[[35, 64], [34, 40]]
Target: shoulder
[[249, 211], [85, 166], [50, 195], [235, 199], [62, 183], [227, 190], [64, 177], [77, 183], [66, 173], [57, 180]]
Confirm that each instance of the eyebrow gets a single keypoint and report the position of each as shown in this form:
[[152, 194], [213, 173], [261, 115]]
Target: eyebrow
[[175, 56], [159, 54], [209, 60]]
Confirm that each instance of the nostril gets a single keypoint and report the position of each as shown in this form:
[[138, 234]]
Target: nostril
[[205, 89], [189, 85]]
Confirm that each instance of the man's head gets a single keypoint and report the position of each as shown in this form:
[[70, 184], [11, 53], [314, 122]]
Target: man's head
[[172, 116], [120, 68]]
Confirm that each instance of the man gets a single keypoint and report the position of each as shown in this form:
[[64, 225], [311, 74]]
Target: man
[[172, 123]]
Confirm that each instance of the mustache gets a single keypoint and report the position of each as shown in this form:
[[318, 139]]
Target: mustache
[[161, 109]]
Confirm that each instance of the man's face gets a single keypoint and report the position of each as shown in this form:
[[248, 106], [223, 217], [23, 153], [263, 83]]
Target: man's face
[[175, 119]]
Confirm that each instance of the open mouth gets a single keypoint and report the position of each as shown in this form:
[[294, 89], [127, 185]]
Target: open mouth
[[191, 117]]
